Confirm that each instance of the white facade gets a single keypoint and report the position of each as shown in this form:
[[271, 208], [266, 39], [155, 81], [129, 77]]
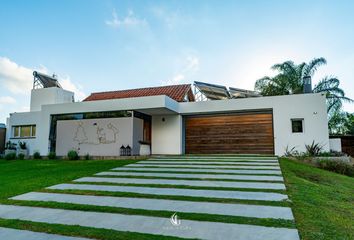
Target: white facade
[[51, 95], [167, 118]]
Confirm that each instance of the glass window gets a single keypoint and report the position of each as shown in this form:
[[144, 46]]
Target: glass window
[[25, 131], [16, 131], [34, 129], [297, 125]]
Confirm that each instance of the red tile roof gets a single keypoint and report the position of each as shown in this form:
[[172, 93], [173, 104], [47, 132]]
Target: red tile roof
[[176, 92]]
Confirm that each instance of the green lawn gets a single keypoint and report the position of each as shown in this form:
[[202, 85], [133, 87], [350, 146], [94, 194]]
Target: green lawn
[[322, 201]]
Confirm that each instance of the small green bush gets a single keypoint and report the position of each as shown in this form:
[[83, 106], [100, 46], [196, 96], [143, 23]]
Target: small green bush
[[73, 155], [337, 166], [22, 145], [21, 156], [314, 149], [52, 155], [37, 155], [10, 156], [87, 157]]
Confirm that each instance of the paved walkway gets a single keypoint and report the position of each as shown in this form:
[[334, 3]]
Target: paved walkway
[[169, 169], [251, 175], [195, 183], [143, 224], [245, 210], [192, 175]]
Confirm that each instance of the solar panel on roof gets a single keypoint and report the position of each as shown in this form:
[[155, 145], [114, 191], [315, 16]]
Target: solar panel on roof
[[242, 93], [212, 91], [44, 81]]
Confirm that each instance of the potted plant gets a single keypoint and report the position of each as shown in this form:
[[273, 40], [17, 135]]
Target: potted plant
[[144, 148], [10, 148], [22, 148]]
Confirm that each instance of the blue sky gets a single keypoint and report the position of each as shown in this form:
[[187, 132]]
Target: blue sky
[[99, 45]]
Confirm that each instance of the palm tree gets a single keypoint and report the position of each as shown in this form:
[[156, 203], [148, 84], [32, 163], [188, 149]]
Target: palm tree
[[289, 80]]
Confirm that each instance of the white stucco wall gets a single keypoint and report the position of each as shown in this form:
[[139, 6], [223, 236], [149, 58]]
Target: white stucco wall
[[166, 135], [310, 107], [335, 144], [53, 95], [96, 137], [27, 118], [152, 104]]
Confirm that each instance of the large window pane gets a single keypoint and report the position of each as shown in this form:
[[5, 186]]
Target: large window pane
[[25, 131], [16, 131], [34, 129]]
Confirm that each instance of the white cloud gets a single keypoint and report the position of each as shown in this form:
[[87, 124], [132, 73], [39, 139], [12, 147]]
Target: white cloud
[[16, 78], [189, 66], [7, 100], [19, 80], [127, 21], [67, 84]]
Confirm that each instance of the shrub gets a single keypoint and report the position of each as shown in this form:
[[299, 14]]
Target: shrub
[[52, 155], [73, 155], [37, 155], [337, 166], [10, 156], [21, 156], [290, 152], [87, 157], [22, 145], [314, 149], [10, 146]]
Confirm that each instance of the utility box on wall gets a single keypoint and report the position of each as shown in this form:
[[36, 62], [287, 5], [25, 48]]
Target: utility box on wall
[[2, 138]]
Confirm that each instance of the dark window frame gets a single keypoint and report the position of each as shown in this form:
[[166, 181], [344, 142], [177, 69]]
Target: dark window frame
[[297, 128]]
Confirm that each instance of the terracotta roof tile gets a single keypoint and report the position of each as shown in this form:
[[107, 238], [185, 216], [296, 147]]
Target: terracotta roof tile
[[176, 92]]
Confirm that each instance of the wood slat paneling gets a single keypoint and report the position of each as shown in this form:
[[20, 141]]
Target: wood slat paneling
[[239, 133]]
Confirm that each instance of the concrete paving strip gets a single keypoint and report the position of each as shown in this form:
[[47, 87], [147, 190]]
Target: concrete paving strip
[[149, 225], [197, 176], [215, 157], [265, 196], [194, 183], [17, 234], [203, 166], [243, 210], [211, 159], [205, 170], [208, 163]]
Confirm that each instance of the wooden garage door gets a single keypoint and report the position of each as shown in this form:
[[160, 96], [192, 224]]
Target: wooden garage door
[[239, 133]]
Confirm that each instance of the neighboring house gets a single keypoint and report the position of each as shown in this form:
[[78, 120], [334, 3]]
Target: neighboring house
[[173, 119]]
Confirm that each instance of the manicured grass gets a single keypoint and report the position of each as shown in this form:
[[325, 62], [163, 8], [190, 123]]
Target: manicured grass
[[21, 176], [322, 201]]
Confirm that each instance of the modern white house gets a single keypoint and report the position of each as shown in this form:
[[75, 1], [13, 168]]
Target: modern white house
[[178, 119]]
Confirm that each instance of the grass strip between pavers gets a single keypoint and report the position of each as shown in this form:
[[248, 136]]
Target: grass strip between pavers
[[79, 231], [186, 178], [184, 187], [268, 222], [168, 197]]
